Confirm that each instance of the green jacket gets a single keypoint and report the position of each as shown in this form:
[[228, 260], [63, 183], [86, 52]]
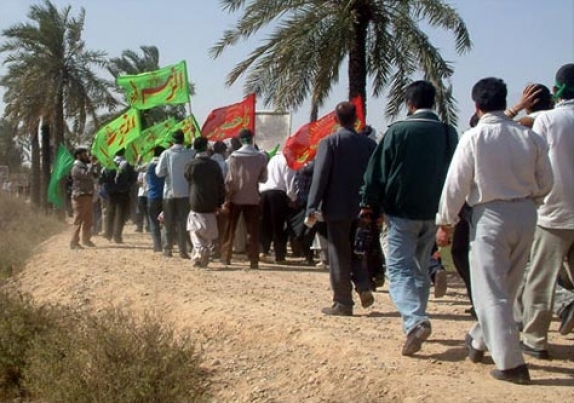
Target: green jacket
[[406, 172]]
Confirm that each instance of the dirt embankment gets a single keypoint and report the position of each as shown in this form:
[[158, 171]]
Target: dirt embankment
[[265, 340]]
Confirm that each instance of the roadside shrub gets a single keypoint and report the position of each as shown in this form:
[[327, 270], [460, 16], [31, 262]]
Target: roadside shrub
[[24, 228], [20, 324], [113, 358]]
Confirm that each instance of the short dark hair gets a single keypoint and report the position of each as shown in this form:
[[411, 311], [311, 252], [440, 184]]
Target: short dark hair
[[565, 76], [473, 120], [158, 150], [246, 136], [346, 114], [121, 152], [200, 144], [219, 147], [544, 98], [489, 94], [178, 137], [420, 94], [78, 151], [235, 143]]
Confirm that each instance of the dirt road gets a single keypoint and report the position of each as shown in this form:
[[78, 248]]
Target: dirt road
[[265, 340]]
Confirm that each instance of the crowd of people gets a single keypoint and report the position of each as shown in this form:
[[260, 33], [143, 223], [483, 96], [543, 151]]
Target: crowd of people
[[502, 194]]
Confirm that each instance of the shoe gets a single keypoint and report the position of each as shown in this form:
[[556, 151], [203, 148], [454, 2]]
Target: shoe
[[338, 310], [75, 245], [184, 255], [440, 284], [416, 337], [118, 240], [263, 256], [519, 375], [139, 230], [254, 265], [156, 250], [196, 263], [367, 298], [108, 237], [204, 260], [379, 281], [540, 354], [89, 244], [225, 262], [322, 265], [167, 253], [567, 320], [280, 261], [474, 355]]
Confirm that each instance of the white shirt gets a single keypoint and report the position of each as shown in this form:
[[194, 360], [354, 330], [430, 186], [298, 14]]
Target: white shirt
[[497, 160], [280, 177], [171, 166], [557, 128]]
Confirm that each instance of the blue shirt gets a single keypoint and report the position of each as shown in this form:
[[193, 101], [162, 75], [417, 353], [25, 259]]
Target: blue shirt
[[155, 189]]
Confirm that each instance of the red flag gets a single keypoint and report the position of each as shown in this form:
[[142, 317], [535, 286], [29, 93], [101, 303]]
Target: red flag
[[224, 123], [301, 146]]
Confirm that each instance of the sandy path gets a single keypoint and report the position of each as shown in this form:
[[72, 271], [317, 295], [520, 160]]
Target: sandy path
[[265, 340]]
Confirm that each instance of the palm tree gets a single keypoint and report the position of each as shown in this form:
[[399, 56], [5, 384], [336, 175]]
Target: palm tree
[[48, 61], [381, 41], [131, 63]]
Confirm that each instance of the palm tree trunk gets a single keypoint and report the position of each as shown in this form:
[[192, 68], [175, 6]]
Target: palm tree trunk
[[314, 112], [59, 139], [358, 52], [46, 162], [35, 190]]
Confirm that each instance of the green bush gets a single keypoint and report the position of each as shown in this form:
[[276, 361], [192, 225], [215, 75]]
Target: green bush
[[24, 228], [20, 324], [113, 358]]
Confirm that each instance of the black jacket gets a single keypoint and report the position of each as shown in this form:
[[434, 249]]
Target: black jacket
[[206, 186]]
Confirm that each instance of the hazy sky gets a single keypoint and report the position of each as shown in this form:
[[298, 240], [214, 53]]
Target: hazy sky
[[521, 41]]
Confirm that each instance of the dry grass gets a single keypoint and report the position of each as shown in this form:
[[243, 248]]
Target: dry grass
[[23, 228]]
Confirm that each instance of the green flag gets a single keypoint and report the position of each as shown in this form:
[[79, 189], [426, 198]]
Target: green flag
[[62, 167], [160, 87], [120, 132], [152, 134], [189, 127], [101, 151], [273, 152]]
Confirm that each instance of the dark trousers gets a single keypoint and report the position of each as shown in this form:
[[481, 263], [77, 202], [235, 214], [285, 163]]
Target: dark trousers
[[175, 213], [118, 210], [142, 215], [345, 267], [251, 215], [154, 208], [302, 236], [460, 251], [274, 207]]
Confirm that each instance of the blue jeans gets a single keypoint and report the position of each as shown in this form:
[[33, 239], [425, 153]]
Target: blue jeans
[[410, 243]]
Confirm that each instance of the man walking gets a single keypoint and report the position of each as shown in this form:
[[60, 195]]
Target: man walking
[[403, 181], [171, 166], [247, 167], [82, 198], [155, 199], [337, 179], [502, 170], [117, 185], [554, 237], [206, 195], [277, 195]]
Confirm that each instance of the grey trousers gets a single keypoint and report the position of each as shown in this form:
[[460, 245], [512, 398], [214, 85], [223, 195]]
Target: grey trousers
[[501, 234], [562, 298], [536, 296]]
